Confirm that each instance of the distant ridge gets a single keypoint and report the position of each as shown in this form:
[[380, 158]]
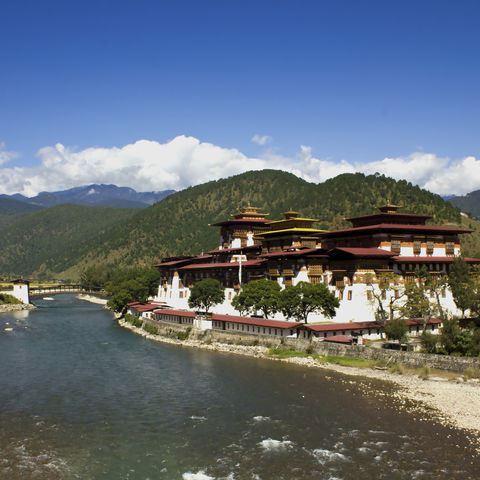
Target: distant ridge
[[97, 195], [469, 203]]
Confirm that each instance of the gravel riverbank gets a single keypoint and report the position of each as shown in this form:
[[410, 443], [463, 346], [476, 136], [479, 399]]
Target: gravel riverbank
[[92, 299], [16, 307], [453, 402]]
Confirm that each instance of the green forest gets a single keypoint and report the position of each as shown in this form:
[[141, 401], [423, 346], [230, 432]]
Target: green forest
[[60, 242]]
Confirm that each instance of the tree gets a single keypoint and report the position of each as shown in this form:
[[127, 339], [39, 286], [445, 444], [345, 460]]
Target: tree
[[435, 285], [262, 294], [463, 287], [380, 292], [205, 294], [417, 304], [429, 342], [304, 298], [94, 277], [396, 329], [449, 335], [127, 285]]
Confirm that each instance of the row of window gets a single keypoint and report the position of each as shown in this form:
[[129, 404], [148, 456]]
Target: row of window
[[253, 329], [417, 247]]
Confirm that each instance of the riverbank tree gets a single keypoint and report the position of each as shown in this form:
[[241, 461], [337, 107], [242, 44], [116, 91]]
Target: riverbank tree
[[262, 294], [298, 301], [128, 285], [205, 294]]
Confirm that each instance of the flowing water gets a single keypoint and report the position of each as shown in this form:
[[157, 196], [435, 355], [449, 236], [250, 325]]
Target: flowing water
[[81, 397]]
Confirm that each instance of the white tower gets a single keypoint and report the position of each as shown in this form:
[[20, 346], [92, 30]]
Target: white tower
[[20, 290]]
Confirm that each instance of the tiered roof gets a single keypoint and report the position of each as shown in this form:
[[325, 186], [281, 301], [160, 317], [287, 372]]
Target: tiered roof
[[245, 215], [389, 220], [292, 223]]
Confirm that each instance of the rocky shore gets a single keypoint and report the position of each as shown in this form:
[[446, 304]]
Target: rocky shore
[[453, 402], [16, 307], [92, 299]]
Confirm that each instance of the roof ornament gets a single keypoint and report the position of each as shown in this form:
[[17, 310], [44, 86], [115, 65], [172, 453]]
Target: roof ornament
[[389, 208]]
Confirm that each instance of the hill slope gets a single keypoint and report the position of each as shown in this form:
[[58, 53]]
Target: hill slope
[[53, 239], [178, 224], [11, 210], [468, 203]]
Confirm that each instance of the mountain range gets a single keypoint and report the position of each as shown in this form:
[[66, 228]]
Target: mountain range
[[61, 241], [94, 195]]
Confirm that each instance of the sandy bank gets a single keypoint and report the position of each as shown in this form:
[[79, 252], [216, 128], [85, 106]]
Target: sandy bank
[[92, 299], [454, 403]]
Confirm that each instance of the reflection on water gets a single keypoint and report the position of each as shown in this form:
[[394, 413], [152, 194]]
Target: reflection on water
[[83, 398]]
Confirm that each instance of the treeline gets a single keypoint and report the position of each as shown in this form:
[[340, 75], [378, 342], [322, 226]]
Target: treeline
[[124, 285]]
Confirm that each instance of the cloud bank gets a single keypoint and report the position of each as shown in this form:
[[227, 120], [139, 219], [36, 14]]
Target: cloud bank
[[183, 161]]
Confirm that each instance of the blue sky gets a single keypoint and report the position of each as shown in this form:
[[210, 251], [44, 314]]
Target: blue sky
[[343, 84]]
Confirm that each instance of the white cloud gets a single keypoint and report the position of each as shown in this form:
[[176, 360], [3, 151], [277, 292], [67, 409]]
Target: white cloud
[[145, 165], [5, 155], [261, 140], [183, 161], [437, 174]]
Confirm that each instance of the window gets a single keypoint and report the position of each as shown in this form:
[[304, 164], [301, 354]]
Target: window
[[340, 294], [384, 294], [430, 248], [417, 247], [396, 246], [444, 293], [349, 295], [369, 295], [450, 248]]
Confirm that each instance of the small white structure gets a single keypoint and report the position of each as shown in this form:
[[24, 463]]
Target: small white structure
[[21, 290]]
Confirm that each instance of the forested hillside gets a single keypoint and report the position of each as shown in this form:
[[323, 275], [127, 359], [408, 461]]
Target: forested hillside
[[469, 203], [178, 224], [12, 210], [53, 239]]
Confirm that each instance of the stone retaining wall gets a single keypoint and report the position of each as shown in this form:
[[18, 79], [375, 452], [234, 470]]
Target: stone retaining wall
[[409, 359]]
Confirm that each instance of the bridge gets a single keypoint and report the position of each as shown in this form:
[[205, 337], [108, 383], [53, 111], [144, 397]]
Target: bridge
[[64, 288]]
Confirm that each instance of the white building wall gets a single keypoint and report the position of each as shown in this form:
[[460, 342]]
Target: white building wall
[[20, 291], [358, 309]]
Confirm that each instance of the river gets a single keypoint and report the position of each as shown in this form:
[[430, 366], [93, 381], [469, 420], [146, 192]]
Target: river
[[82, 398]]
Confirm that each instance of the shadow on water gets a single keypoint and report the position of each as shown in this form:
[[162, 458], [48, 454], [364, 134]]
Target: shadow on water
[[83, 398]]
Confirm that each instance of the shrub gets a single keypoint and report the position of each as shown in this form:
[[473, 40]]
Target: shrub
[[429, 342], [183, 335], [397, 368], [137, 322], [424, 372], [152, 329], [128, 318], [8, 299], [471, 372]]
